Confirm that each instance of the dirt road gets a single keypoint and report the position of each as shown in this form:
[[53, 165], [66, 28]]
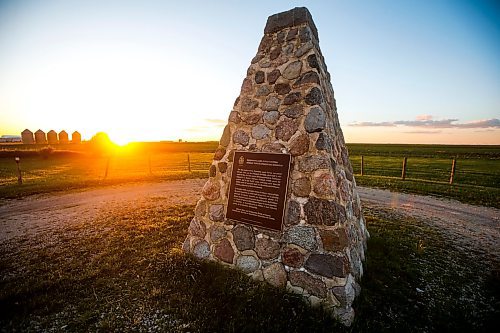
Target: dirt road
[[477, 228]]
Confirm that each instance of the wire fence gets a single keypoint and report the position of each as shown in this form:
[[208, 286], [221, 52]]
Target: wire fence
[[482, 172]]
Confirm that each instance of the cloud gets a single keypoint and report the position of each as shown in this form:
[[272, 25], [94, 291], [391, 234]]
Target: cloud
[[424, 117], [372, 124], [423, 132], [218, 122], [426, 121]]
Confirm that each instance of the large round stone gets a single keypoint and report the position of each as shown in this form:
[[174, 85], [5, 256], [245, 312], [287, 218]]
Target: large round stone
[[241, 137], [260, 132], [201, 249], [265, 43], [345, 190], [294, 111], [282, 88], [259, 77], [222, 166], [226, 136], [247, 264], [344, 294], [324, 184], [286, 128], [234, 118], [281, 37], [273, 147], [201, 208], [275, 274], [257, 58], [293, 257], [309, 77], [299, 145], [248, 104], [243, 238], [292, 213], [219, 153], [323, 142], [263, 90], [315, 120], [273, 76], [275, 52], [292, 98], [314, 97], [302, 187], [212, 171], [197, 228], [324, 212], [246, 86], [224, 251], [303, 236], [304, 49], [271, 117], [292, 71], [292, 34], [312, 285], [312, 60], [272, 103], [327, 265], [267, 248], [334, 240], [216, 213], [313, 163], [252, 118], [217, 232], [211, 190]]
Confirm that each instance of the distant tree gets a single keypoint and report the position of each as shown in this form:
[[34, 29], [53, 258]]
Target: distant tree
[[45, 152], [101, 144]]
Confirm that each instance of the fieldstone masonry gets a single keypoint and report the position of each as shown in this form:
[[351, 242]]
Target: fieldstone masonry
[[287, 105]]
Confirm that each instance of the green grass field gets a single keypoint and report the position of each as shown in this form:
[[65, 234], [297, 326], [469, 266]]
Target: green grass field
[[476, 180]]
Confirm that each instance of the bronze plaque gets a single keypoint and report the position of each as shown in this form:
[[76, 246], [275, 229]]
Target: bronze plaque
[[258, 189]]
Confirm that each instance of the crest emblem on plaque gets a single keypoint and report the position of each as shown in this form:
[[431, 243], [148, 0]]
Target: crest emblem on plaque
[[241, 160]]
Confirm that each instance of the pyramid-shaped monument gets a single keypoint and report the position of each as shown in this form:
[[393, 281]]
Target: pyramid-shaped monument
[[281, 202]]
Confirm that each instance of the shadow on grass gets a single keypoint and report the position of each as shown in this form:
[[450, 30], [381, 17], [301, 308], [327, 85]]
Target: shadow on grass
[[124, 271]]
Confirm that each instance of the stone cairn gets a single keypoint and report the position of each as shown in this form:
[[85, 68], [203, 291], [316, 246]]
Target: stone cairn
[[287, 105]]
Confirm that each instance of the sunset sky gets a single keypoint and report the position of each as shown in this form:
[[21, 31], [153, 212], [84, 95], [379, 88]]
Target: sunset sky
[[403, 71]]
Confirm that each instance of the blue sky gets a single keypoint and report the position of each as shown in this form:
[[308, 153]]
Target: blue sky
[[403, 71]]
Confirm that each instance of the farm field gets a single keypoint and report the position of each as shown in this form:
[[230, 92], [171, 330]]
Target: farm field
[[476, 179]]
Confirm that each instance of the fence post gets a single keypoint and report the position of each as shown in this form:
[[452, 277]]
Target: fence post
[[189, 164], [19, 176], [403, 173], [362, 166], [452, 174], [149, 162], [107, 168]]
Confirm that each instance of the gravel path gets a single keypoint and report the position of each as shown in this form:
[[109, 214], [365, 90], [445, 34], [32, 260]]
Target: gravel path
[[476, 228]]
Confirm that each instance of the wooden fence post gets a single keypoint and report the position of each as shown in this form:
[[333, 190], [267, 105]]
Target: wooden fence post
[[19, 175], [403, 173], [107, 168], [189, 164], [362, 166], [149, 162], [452, 174]]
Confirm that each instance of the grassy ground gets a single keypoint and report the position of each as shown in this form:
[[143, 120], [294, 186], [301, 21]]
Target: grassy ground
[[123, 271], [477, 178], [63, 171]]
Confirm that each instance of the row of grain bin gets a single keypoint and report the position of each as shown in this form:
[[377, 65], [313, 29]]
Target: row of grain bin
[[51, 138]]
